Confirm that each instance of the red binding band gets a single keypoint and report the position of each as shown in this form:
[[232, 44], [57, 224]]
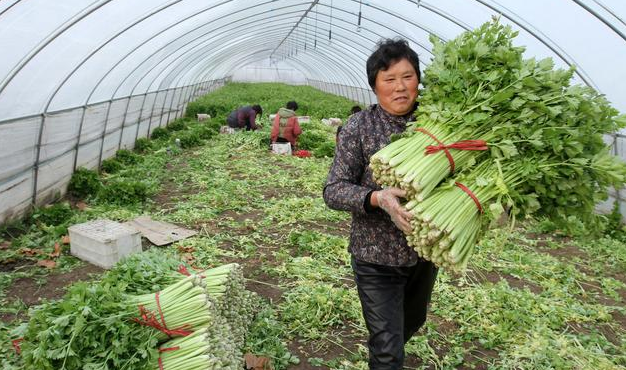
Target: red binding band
[[442, 145], [161, 350], [149, 319], [16, 345], [169, 349], [459, 145], [469, 192], [183, 270]]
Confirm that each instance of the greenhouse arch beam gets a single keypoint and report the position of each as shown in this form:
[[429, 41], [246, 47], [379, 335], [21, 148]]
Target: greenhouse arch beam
[[210, 31], [218, 60], [9, 7], [441, 13], [365, 48], [543, 39], [202, 50], [393, 30], [170, 62], [324, 66], [313, 3], [346, 29], [601, 18], [43, 44], [126, 29], [342, 67], [322, 47], [69, 75]]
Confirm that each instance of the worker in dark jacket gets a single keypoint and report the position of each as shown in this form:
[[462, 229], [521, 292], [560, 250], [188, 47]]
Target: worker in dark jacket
[[244, 117], [286, 128], [393, 282]]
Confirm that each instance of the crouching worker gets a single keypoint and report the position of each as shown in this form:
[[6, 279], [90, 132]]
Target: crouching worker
[[286, 128], [245, 117]]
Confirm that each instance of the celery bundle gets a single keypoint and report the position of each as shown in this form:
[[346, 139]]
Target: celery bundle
[[145, 300], [405, 163], [545, 154], [177, 310], [446, 225]]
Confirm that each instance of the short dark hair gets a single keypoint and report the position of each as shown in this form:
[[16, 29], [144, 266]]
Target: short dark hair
[[292, 105], [387, 52], [355, 109], [257, 108]]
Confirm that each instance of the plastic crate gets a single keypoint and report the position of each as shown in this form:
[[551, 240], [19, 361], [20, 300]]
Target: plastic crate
[[103, 242]]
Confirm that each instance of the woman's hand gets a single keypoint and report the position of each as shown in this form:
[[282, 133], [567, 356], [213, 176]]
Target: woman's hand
[[388, 200]]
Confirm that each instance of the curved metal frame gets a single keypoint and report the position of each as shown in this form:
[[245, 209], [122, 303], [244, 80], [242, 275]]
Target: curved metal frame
[[188, 66]]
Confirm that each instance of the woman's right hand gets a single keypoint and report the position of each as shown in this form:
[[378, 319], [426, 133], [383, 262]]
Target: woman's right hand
[[388, 200]]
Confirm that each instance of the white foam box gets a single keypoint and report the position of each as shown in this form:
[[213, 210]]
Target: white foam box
[[304, 119], [103, 242]]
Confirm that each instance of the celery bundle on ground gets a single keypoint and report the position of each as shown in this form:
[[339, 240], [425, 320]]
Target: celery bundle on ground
[[118, 322], [541, 148]]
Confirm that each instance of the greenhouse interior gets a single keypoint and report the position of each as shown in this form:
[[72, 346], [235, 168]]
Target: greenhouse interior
[[327, 184]]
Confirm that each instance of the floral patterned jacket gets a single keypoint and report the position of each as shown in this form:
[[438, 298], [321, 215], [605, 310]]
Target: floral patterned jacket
[[374, 237]]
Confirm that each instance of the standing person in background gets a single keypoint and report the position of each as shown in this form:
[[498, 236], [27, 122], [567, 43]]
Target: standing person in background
[[393, 282], [245, 117], [286, 128]]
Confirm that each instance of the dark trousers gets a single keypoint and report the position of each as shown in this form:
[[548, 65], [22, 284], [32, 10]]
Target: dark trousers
[[394, 302]]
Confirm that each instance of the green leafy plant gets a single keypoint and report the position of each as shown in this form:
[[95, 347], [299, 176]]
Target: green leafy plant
[[205, 132], [124, 192], [54, 214], [111, 165], [84, 183], [312, 139], [142, 145], [266, 338], [127, 157], [189, 139], [159, 133], [325, 149], [177, 125]]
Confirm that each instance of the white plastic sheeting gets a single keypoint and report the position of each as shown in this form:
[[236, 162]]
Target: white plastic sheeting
[[80, 79]]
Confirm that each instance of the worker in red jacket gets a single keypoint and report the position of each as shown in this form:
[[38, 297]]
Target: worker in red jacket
[[286, 128]]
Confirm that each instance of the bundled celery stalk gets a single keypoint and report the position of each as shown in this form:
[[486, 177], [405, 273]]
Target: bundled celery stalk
[[417, 163], [106, 325], [234, 302], [546, 135], [100, 326], [177, 310], [469, 80], [447, 224], [233, 306], [196, 351]]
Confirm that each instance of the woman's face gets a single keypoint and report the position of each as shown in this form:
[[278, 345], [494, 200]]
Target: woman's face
[[396, 88]]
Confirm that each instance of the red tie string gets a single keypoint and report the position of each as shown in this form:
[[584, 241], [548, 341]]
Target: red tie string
[[161, 350], [183, 270], [469, 192], [16, 345], [149, 319], [459, 145], [442, 145]]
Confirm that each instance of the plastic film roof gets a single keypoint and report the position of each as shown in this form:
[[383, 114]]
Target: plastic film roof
[[57, 55]]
